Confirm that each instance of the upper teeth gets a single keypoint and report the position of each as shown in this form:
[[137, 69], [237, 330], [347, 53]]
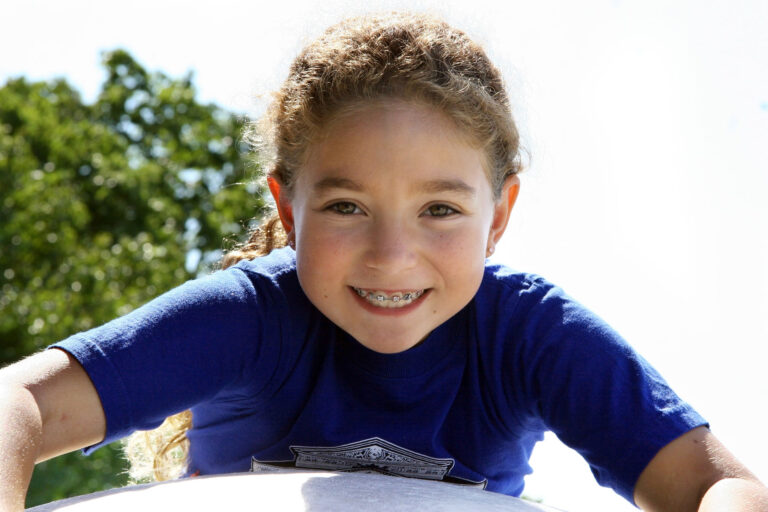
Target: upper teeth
[[379, 296]]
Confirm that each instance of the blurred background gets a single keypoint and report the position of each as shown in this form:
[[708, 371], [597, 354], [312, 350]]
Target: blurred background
[[123, 173]]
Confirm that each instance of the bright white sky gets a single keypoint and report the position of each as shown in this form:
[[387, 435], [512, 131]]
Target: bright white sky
[[647, 121]]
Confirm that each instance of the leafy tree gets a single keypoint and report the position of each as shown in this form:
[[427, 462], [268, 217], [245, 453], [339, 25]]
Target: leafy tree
[[103, 207]]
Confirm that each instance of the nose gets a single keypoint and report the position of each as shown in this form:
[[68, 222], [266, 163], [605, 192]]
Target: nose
[[391, 247]]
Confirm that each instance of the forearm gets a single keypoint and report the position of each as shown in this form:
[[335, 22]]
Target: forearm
[[735, 495], [20, 442]]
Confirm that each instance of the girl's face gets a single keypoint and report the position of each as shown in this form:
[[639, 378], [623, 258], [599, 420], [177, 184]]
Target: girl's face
[[393, 217]]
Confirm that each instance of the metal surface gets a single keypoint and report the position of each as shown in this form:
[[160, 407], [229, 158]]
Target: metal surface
[[296, 491]]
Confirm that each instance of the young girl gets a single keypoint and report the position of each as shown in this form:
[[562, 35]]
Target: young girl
[[379, 338]]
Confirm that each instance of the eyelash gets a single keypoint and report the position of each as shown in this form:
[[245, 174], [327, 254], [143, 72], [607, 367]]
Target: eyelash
[[449, 211], [339, 207]]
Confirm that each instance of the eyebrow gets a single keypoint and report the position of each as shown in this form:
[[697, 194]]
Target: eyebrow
[[430, 187], [456, 186], [336, 182]]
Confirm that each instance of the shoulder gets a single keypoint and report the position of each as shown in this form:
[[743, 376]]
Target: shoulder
[[240, 297], [501, 281], [267, 278], [515, 298], [535, 330], [277, 263], [533, 304], [531, 340]]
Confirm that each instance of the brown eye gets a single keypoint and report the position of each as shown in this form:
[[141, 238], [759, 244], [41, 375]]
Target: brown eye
[[344, 208], [440, 210]]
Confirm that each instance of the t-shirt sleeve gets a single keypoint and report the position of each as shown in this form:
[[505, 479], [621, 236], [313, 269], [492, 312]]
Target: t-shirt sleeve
[[176, 351], [582, 380]]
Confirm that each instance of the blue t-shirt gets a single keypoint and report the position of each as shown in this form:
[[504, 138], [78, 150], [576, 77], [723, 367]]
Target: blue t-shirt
[[272, 382]]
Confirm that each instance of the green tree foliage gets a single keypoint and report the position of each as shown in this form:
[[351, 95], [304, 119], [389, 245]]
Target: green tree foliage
[[103, 207]]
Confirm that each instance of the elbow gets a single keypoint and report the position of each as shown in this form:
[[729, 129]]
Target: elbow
[[742, 493]]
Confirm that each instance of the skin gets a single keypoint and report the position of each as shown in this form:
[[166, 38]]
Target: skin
[[48, 406], [394, 199], [375, 234], [696, 472]]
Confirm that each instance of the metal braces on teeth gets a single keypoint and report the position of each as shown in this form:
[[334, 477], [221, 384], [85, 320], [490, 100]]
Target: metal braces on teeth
[[382, 298]]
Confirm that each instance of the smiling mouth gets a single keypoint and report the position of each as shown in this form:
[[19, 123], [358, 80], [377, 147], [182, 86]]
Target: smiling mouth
[[383, 299]]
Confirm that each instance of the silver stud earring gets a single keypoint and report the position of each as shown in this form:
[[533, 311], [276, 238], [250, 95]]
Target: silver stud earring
[[292, 244], [490, 250]]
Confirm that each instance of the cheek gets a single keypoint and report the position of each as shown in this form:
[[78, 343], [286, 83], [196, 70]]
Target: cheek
[[462, 253], [468, 241], [327, 246], [322, 260], [316, 237]]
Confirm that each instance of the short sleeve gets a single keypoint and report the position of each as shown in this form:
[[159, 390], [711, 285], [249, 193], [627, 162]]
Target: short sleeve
[[176, 351], [580, 379]]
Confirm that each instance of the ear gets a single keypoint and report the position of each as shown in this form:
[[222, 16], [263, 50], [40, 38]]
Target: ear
[[284, 209], [501, 211]]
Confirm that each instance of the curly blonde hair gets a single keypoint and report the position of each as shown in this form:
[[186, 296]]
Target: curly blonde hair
[[402, 56]]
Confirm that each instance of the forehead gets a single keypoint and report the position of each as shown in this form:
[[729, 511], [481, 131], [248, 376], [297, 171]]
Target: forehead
[[401, 140], [409, 114]]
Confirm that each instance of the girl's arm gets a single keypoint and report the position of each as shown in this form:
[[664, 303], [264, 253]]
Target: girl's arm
[[48, 406], [697, 473]]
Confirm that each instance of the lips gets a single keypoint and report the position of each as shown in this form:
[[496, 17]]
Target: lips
[[389, 300]]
